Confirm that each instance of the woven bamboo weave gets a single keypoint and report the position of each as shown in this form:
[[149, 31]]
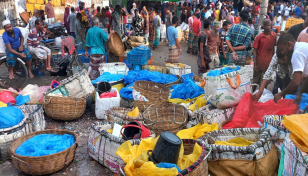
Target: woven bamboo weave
[[116, 45], [119, 114], [154, 92], [165, 117], [44, 164], [64, 108], [175, 82]]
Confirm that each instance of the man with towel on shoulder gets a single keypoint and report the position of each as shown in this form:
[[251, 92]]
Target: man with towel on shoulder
[[174, 45]]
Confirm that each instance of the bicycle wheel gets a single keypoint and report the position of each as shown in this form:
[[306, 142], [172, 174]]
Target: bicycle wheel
[[20, 75], [76, 64]]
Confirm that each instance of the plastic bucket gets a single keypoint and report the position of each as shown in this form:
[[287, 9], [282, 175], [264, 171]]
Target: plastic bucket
[[103, 87], [7, 97]]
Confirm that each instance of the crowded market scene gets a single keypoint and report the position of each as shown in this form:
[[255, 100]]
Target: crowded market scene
[[226, 83]]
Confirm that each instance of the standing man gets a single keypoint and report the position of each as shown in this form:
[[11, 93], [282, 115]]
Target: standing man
[[80, 33], [224, 54], [271, 15], [299, 9], [224, 12], [50, 12], [157, 24], [116, 20], [108, 15], [196, 31], [263, 51], [132, 11], [168, 19], [278, 19], [33, 19], [94, 41], [203, 54], [72, 20], [178, 10], [231, 18], [174, 45], [238, 40], [276, 8], [13, 40], [190, 34], [213, 44]]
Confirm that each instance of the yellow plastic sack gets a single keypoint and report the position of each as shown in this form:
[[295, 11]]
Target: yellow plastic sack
[[2, 104], [40, 2], [134, 113], [31, 1], [119, 86], [56, 2], [171, 65], [200, 102], [297, 124], [181, 65], [179, 101], [238, 141], [293, 21], [188, 160], [37, 6], [30, 7], [149, 169], [2, 31], [42, 7], [197, 131], [109, 131]]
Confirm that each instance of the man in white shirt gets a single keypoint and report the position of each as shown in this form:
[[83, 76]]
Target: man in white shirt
[[278, 19], [291, 52], [208, 12]]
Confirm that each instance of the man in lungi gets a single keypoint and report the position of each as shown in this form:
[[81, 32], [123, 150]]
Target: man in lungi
[[174, 45], [95, 41], [34, 37], [238, 40], [157, 24], [191, 33]]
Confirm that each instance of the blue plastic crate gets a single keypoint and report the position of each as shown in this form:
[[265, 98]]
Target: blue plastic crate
[[127, 64], [84, 59], [139, 56], [137, 67]]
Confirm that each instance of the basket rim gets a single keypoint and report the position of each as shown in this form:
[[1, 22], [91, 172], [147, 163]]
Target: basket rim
[[44, 132], [126, 117]]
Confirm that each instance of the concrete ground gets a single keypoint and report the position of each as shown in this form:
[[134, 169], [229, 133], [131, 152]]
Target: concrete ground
[[83, 165]]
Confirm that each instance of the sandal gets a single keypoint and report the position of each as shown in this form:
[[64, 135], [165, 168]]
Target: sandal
[[50, 70]]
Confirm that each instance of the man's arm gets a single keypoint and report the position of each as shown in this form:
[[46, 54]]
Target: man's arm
[[22, 39], [178, 44], [202, 54], [9, 47], [255, 54], [304, 86], [222, 48], [297, 78]]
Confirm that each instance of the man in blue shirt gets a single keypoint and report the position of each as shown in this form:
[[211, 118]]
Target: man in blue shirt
[[174, 45], [13, 40]]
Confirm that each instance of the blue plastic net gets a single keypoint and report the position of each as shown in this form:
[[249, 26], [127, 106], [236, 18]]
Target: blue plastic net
[[107, 77], [186, 90], [222, 71], [10, 116], [304, 101], [145, 75], [45, 144], [20, 99]]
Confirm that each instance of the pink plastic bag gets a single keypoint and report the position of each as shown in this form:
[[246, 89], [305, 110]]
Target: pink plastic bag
[[108, 95], [248, 114], [42, 90]]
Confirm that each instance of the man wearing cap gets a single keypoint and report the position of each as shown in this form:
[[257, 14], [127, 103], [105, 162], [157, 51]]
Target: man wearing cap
[[13, 40], [174, 45], [238, 40], [278, 19], [50, 12], [132, 11], [263, 51], [213, 44], [231, 18]]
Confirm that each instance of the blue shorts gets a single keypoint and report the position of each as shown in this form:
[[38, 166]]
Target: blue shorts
[[11, 58]]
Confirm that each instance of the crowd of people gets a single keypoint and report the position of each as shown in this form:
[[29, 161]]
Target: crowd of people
[[214, 36]]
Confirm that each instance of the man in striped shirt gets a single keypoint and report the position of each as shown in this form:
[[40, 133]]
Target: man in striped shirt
[[35, 36]]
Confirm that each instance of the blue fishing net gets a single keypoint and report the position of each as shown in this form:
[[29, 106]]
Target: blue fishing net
[[45, 144], [10, 116], [222, 71], [304, 101], [188, 89], [107, 77], [145, 75]]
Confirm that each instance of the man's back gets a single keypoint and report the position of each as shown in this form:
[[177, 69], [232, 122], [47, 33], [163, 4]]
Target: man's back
[[172, 35], [169, 19], [71, 19], [239, 35], [95, 40], [300, 58]]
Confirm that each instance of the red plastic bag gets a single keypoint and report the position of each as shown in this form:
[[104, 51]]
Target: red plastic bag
[[248, 114], [108, 95]]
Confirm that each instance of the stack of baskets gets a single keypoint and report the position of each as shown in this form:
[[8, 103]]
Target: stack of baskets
[[146, 93], [43, 165], [119, 114], [165, 117], [68, 100], [33, 121]]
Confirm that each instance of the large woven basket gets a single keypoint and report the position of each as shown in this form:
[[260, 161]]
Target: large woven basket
[[175, 82], [116, 45], [119, 114], [103, 145], [43, 165], [64, 108], [165, 117], [155, 94]]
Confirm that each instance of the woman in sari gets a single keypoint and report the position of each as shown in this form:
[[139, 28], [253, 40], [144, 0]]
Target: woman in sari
[[151, 28], [67, 24]]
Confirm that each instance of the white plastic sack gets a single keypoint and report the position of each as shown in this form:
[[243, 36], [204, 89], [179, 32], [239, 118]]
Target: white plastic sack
[[266, 95], [163, 31], [103, 104], [25, 33], [2, 45], [221, 94], [58, 42], [33, 91]]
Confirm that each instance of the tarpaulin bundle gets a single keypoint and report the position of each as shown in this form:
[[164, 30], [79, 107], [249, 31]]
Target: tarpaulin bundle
[[145, 75], [107, 77], [225, 70], [127, 92], [188, 89], [10, 116], [248, 113], [304, 101]]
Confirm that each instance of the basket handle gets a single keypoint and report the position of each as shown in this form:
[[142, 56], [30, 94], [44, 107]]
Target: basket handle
[[22, 162], [238, 81], [130, 126], [147, 111]]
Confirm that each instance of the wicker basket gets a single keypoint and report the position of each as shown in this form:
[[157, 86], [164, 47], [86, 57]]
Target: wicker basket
[[119, 114], [33, 121], [44, 164], [116, 45], [64, 108], [103, 145], [153, 92], [175, 82], [126, 103], [171, 117], [157, 68]]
